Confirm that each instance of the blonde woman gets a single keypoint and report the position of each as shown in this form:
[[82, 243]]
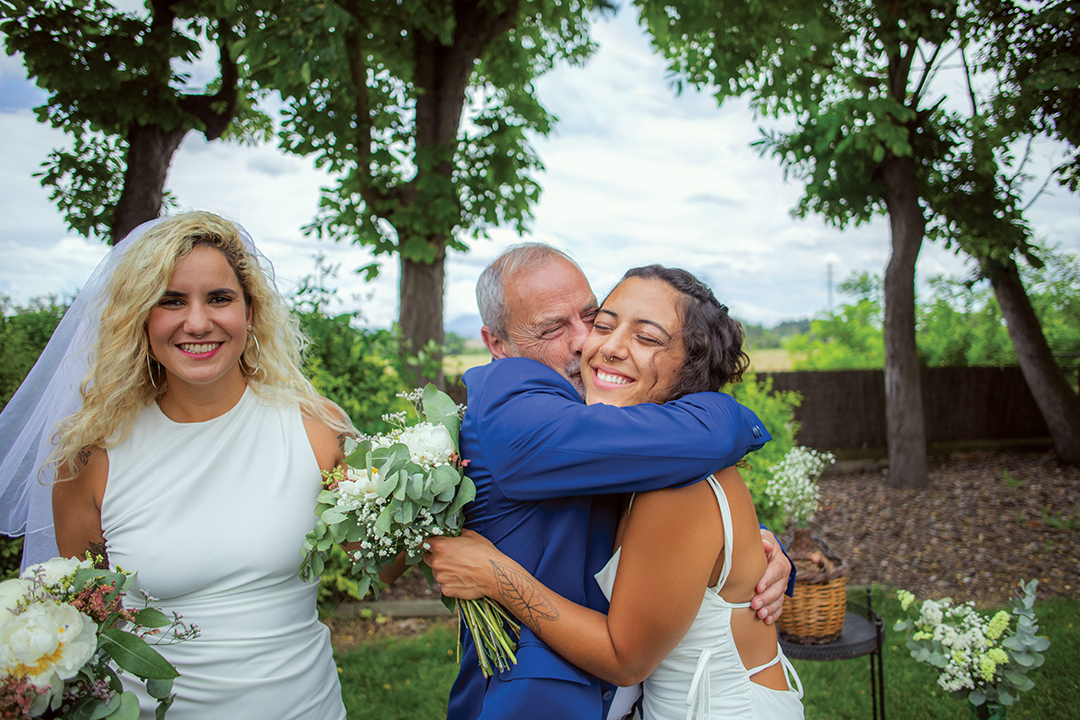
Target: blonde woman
[[193, 458]]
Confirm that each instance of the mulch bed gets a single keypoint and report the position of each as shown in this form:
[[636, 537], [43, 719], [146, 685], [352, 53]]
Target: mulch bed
[[987, 521]]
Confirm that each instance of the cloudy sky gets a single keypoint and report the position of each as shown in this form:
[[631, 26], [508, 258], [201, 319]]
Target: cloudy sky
[[634, 175]]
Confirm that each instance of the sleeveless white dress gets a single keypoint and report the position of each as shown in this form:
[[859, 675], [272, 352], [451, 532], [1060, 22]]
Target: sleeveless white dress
[[210, 516], [704, 677]]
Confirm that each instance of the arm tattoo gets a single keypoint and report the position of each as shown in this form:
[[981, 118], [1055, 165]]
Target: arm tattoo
[[341, 442], [524, 597], [100, 554], [83, 456]]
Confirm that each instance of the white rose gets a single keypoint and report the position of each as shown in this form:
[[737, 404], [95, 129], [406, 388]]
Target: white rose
[[428, 444], [46, 642], [11, 592], [53, 571]]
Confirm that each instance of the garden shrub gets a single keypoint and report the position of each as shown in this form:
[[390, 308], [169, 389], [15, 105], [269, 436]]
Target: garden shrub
[[777, 411]]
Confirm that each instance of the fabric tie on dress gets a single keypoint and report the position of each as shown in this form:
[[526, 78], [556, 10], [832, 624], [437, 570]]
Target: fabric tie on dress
[[700, 688]]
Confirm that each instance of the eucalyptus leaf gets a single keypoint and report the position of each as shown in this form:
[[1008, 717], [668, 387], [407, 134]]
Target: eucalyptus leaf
[[445, 478], [440, 409], [382, 524], [101, 709], [318, 564], [415, 487], [152, 618], [159, 689], [466, 493], [162, 707], [133, 654], [129, 708], [333, 516], [1023, 659]]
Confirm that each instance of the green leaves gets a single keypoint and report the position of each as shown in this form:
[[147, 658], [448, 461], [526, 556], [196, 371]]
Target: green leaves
[[133, 654]]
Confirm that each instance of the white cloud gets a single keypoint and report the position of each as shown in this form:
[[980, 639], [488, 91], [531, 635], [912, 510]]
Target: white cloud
[[634, 175]]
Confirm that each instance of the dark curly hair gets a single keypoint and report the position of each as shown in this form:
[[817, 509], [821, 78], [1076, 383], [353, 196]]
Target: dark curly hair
[[712, 340]]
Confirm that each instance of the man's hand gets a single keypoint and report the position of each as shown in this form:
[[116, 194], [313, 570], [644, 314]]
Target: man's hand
[[463, 565], [769, 601]]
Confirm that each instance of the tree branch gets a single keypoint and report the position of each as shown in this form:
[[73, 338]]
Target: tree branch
[[202, 106]]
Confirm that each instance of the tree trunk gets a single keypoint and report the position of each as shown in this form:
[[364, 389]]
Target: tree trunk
[[150, 152], [1056, 400], [905, 422], [421, 316]]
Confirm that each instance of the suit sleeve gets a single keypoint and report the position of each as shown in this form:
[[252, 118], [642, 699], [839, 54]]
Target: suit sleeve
[[542, 442]]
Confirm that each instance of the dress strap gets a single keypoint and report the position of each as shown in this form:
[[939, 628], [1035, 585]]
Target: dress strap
[[789, 671], [729, 534]]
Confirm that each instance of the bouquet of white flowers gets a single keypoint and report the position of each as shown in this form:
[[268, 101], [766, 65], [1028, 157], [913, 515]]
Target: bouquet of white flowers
[[62, 628], [983, 658], [395, 491]]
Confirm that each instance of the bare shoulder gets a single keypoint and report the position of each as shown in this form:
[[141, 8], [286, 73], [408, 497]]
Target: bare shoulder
[[677, 515], [327, 443], [77, 501], [93, 471]]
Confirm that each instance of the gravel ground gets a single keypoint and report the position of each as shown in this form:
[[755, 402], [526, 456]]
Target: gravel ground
[[986, 521]]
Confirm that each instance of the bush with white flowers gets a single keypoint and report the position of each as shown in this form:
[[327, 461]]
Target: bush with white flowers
[[983, 658], [793, 486]]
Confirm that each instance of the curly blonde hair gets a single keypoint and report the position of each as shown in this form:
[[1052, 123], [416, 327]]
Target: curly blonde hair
[[120, 382]]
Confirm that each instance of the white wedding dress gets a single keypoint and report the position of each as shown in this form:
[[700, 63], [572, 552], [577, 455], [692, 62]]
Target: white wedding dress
[[210, 516], [704, 677]]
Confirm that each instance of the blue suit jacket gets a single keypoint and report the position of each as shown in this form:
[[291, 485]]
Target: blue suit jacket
[[549, 473]]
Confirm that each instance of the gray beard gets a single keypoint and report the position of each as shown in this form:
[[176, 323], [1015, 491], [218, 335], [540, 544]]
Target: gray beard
[[573, 374]]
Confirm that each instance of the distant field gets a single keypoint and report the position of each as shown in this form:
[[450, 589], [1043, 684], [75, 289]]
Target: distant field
[[457, 364], [770, 360]]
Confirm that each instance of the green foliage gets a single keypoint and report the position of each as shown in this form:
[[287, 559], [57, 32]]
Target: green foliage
[[110, 72], [759, 337], [354, 367], [960, 325], [852, 339], [10, 557], [24, 332], [776, 411]]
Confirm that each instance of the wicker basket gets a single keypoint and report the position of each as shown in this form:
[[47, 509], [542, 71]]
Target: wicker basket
[[815, 615]]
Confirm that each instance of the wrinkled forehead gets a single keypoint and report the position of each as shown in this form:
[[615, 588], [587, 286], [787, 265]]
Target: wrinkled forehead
[[551, 288]]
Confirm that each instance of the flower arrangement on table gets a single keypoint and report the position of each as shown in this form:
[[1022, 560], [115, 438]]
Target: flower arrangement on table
[[985, 659], [793, 487], [816, 612], [62, 630], [396, 490]]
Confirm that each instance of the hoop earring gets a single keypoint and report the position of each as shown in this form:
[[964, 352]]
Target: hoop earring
[[150, 371], [258, 356]]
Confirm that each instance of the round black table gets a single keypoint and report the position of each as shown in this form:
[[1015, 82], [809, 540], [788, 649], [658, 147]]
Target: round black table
[[863, 634]]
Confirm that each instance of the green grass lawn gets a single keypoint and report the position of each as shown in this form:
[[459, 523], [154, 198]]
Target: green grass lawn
[[410, 678]]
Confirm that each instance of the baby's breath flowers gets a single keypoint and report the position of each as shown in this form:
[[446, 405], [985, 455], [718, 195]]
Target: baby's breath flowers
[[793, 486], [986, 659], [396, 490], [62, 628]]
